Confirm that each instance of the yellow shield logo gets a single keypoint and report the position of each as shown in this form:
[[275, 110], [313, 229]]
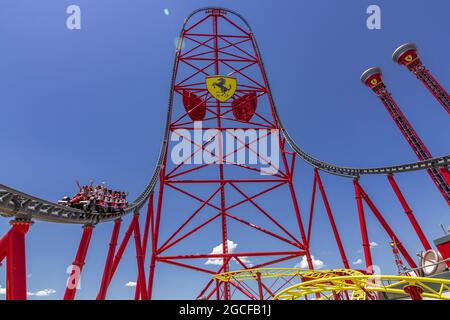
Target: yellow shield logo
[[408, 58], [374, 81], [221, 87]]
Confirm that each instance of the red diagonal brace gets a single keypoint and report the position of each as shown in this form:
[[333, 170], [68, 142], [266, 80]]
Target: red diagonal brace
[[71, 288], [331, 218], [387, 228], [109, 260], [362, 225], [409, 213], [16, 275]]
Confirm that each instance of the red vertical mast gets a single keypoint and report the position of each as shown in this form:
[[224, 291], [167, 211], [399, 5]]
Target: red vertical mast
[[373, 79], [407, 55], [219, 85]]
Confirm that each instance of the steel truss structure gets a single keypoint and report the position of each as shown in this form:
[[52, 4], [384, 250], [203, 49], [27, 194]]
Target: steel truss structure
[[222, 197], [216, 45]]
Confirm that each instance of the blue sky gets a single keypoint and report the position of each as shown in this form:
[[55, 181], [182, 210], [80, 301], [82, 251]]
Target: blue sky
[[90, 103]]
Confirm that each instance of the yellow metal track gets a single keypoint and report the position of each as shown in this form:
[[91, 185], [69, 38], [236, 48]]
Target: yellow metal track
[[329, 284]]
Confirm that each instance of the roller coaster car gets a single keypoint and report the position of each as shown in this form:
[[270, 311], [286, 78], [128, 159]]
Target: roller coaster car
[[87, 205], [93, 205], [102, 206]]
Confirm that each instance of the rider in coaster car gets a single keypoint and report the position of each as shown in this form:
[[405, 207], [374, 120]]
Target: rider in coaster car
[[80, 196]]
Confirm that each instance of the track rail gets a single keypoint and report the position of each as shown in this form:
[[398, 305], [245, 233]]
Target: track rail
[[14, 203]]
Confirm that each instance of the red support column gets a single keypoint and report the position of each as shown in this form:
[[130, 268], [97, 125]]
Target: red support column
[[217, 290], [4, 246], [16, 274], [155, 236], [118, 256], [311, 209], [387, 228], [109, 260], [331, 218], [446, 174], [407, 55], [140, 260], [260, 288], [148, 219], [409, 213], [374, 80], [362, 225], [224, 227], [297, 209], [83, 247], [414, 292], [122, 247]]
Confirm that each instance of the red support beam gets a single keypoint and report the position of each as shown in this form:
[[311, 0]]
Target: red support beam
[[260, 288], [122, 247], [140, 261], [148, 219], [217, 290], [311, 209], [77, 265], [362, 225], [387, 228], [155, 237], [4, 246], [109, 260], [232, 255], [409, 213], [415, 292], [331, 219], [16, 275]]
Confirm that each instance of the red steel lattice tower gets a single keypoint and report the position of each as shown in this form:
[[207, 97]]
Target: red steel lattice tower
[[406, 55], [224, 199], [373, 79]]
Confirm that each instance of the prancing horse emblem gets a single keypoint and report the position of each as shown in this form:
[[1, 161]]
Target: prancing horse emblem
[[221, 87]]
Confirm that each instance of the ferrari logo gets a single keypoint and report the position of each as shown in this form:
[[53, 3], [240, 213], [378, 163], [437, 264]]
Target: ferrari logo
[[408, 58], [221, 87], [374, 81]]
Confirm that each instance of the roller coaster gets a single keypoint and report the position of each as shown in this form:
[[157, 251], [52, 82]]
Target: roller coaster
[[231, 48]]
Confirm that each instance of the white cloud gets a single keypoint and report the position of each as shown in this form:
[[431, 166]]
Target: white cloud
[[372, 245], [317, 264], [358, 261], [246, 261], [45, 292], [231, 248], [166, 11], [40, 293], [130, 284], [218, 250]]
